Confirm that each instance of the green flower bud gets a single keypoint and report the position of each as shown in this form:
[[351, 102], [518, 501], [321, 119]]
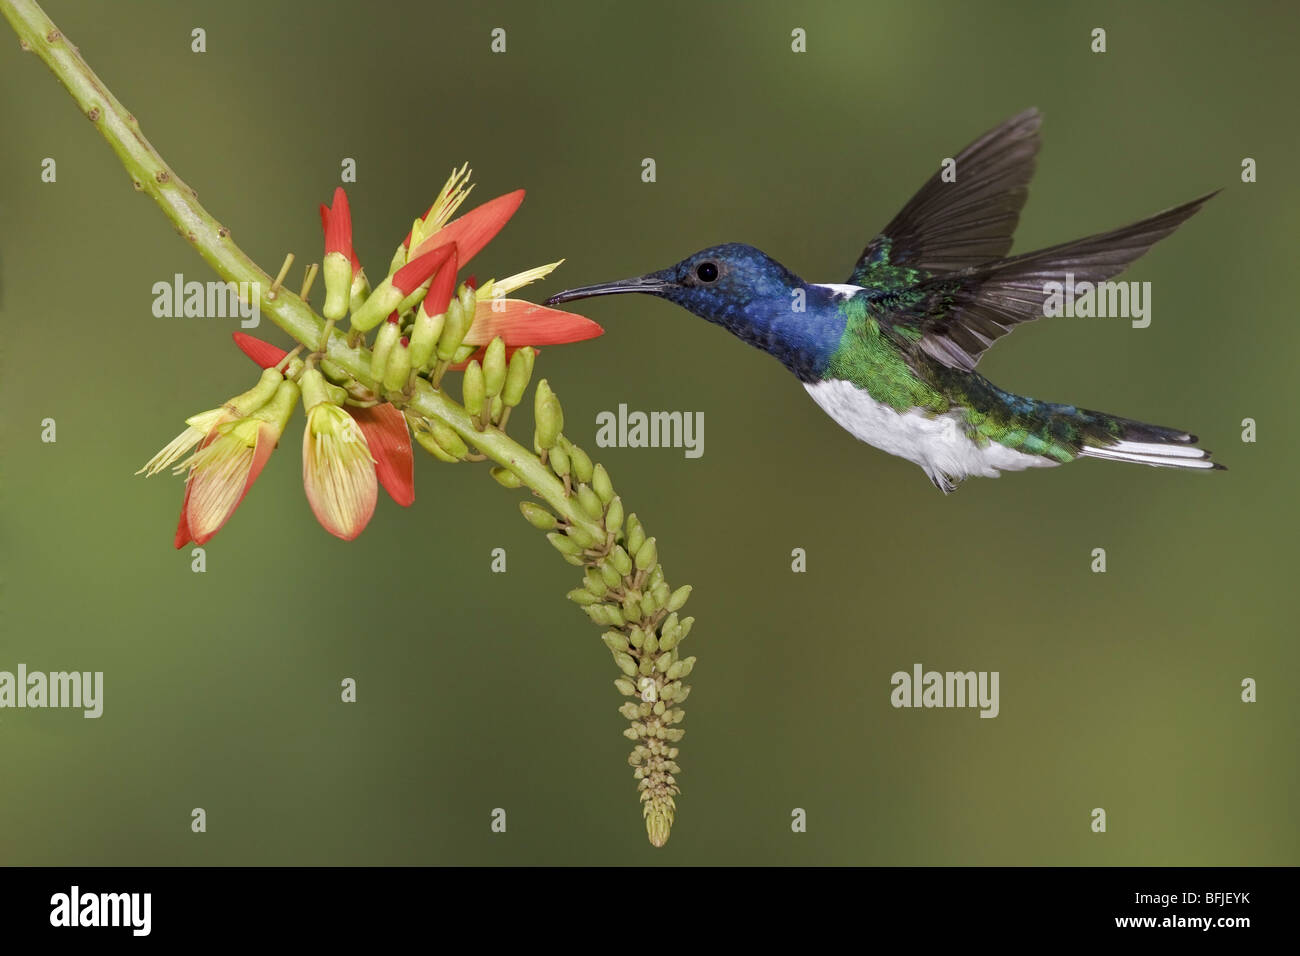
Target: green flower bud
[[686, 627], [582, 536], [398, 373], [562, 544], [494, 366], [659, 709], [667, 641], [378, 304], [473, 389], [336, 269], [613, 617], [446, 436], [359, 290], [636, 637], [682, 693], [635, 534], [505, 477], [688, 665], [649, 604], [647, 555], [454, 326], [424, 338], [539, 518], [679, 597], [601, 484], [668, 691], [550, 418], [614, 517], [625, 686], [661, 594], [620, 560], [582, 596], [389, 335], [671, 627], [589, 503], [594, 583], [664, 662], [651, 643], [656, 576], [468, 299], [497, 407], [582, 467], [673, 671], [615, 641], [424, 435], [517, 376], [625, 664], [628, 710], [631, 609], [609, 574], [559, 460]]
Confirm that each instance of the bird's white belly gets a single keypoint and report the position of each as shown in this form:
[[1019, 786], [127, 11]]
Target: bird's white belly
[[939, 443]]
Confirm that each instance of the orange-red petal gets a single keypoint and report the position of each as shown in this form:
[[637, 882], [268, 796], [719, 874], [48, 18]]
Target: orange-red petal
[[474, 230], [418, 270], [263, 353], [438, 297], [390, 444], [526, 323]]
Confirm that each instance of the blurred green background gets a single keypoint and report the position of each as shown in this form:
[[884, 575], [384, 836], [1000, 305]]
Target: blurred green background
[[481, 690]]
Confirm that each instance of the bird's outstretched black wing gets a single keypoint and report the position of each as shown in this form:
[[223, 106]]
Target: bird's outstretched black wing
[[961, 314], [949, 226]]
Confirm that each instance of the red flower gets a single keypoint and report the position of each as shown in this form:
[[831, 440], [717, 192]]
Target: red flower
[[227, 463], [474, 230], [337, 223], [383, 426]]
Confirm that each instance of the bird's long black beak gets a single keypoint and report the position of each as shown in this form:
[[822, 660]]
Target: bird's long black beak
[[653, 284]]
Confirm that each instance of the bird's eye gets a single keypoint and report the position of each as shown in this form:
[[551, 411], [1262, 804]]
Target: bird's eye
[[707, 271]]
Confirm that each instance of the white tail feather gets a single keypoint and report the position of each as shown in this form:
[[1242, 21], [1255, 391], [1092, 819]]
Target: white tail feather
[[1159, 456]]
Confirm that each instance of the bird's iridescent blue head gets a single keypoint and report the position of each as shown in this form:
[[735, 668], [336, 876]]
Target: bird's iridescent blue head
[[746, 292]]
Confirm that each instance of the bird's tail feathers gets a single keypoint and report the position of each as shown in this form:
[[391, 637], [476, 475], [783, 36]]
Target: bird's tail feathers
[[1145, 444]]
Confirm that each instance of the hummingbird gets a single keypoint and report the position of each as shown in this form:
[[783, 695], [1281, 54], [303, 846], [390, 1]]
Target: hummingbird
[[890, 354]]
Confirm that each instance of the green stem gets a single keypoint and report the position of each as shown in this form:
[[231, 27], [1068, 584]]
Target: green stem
[[151, 174]]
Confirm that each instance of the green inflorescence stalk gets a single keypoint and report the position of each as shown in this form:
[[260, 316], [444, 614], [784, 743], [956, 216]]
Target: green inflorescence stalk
[[623, 588]]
